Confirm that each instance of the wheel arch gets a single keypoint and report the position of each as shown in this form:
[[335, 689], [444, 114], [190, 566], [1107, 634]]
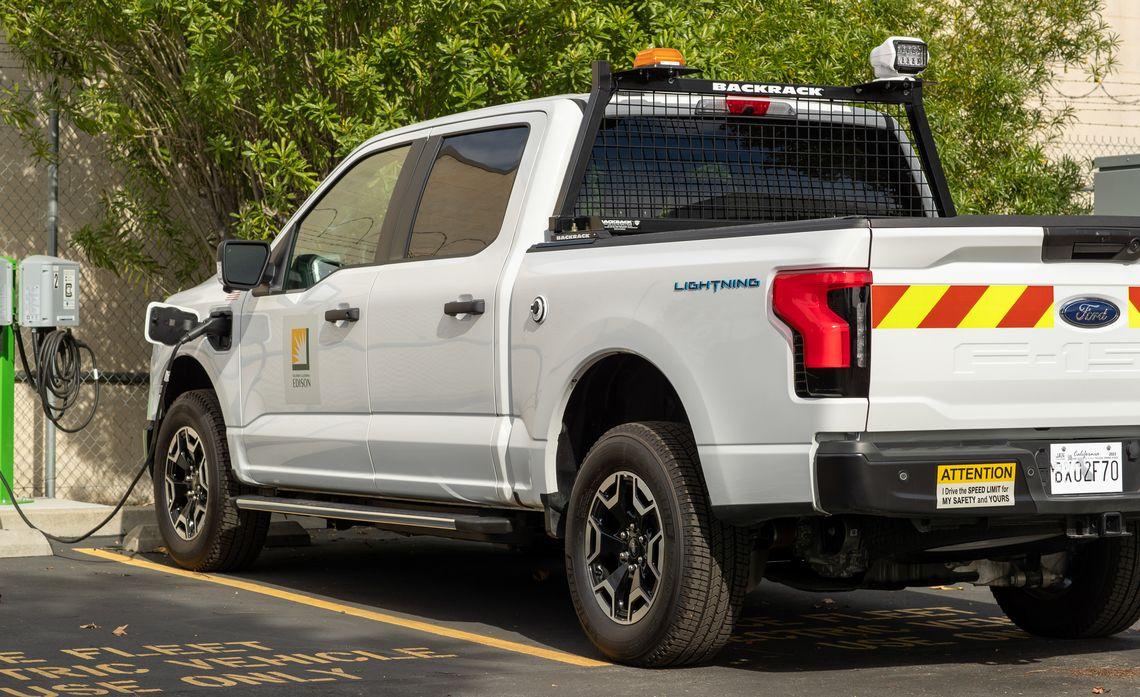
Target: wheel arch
[[186, 374], [612, 388]]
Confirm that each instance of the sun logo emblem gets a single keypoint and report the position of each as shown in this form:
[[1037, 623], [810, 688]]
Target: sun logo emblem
[[299, 354]]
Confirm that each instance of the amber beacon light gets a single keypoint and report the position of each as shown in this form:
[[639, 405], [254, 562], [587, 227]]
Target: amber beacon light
[[659, 57]]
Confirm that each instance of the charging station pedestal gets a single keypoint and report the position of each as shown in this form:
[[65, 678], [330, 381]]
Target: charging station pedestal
[[7, 412], [7, 378]]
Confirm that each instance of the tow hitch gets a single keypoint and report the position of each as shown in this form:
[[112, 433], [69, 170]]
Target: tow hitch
[[1093, 526]]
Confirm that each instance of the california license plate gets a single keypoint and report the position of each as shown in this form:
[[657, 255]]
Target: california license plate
[[1085, 468]]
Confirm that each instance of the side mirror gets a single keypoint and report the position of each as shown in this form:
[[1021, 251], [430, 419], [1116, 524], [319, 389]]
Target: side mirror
[[243, 262]]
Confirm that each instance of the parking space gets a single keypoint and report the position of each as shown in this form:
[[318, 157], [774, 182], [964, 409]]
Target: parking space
[[364, 612]]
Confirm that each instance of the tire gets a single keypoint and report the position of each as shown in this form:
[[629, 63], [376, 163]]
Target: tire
[[702, 564], [209, 535], [1102, 599]]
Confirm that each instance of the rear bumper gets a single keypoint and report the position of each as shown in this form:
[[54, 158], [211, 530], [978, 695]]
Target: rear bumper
[[899, 479]]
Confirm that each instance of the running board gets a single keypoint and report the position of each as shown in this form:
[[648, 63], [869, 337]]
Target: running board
[[379, 515]]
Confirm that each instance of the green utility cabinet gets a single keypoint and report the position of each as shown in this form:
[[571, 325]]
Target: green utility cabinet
[[1117, 185]]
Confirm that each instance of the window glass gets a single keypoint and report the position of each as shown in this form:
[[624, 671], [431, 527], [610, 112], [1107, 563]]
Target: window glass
[[343, 228], [467, 192], [654, 170]]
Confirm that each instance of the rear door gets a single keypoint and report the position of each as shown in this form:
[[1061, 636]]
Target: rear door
[[438, 329], [972, 329]]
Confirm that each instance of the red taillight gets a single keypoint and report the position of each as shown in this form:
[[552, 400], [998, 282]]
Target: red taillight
[[800, 298], [747, 106]]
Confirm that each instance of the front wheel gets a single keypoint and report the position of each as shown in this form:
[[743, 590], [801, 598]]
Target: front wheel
[[195, 488], [1101, 598], [656, 579]]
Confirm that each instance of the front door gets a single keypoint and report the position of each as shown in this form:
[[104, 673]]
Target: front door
[[437, 326], [305, 396]]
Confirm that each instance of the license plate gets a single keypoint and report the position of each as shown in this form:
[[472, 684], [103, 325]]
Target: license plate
[[1085, 468]]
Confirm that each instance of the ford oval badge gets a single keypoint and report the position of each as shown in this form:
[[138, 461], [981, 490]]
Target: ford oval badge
[[1089, 313]]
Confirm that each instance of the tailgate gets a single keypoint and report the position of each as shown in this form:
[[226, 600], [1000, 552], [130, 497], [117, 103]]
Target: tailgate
[[1005, 323]]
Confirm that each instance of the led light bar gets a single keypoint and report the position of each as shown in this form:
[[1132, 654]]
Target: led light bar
[[899, 57]]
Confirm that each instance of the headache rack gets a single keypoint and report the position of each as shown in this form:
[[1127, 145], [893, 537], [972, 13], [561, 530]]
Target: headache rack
[[657, 151]]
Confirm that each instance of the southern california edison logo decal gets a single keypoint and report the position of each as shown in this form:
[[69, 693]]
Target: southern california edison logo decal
[[300, 374], [299, 351]]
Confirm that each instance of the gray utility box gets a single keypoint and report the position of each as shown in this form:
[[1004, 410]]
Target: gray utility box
[[7, 286], [49, 292], [1116, 184]]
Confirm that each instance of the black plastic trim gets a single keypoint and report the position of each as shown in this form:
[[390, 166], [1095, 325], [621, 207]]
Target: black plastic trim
[[866, 477], [1091, 243], [343, 314], [465, 307], [1042, 221], [1053, 225], [709, 233], [749, 514]]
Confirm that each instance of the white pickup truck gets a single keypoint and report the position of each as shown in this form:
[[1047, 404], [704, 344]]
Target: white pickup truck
[[704, 332]]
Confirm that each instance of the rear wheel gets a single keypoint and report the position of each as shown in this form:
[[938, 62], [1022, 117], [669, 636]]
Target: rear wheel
[[1101, 598], [194, 490], [656, 579]]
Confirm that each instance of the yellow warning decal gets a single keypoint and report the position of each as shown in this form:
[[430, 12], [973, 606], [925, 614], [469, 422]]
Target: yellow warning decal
[[955, 474], [974, 486]]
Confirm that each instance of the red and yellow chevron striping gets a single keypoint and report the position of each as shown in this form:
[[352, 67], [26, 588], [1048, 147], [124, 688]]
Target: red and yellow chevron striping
[[1134, 307], [962, 307]]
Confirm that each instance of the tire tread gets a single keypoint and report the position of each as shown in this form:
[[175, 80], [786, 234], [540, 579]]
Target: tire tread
[[1103, 600], [714, 578], [241, 534]]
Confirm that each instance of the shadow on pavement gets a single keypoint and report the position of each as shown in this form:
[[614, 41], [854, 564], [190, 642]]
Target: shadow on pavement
[[781, 629]]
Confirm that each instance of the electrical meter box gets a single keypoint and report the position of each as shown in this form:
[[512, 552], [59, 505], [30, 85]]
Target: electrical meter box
[[7, 287], [49, 292]]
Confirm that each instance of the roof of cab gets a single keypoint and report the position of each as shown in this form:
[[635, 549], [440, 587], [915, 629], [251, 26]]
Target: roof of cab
[[485, 112]]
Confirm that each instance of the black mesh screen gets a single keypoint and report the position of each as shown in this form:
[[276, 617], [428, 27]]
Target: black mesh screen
[[665, 160]]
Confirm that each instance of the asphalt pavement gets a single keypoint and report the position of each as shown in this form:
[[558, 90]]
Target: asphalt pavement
[[366, 612]]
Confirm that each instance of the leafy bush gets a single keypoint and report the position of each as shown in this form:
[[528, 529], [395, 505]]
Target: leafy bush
[[221, 115]]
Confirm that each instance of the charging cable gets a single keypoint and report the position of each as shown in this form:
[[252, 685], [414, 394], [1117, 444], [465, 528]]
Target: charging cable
[[213, 324], [58, 374]]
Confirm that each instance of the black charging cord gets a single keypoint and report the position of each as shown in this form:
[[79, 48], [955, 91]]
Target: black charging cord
[[118, 507], [58, 374], [213, 323]]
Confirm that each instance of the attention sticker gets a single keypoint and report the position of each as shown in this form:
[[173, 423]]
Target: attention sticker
[[975, 486]]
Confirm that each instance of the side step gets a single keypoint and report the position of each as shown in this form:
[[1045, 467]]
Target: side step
[[380, 515]]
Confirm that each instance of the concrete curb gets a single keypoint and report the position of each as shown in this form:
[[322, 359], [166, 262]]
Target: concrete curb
[[70, 518], [23, 543], [64, 518]]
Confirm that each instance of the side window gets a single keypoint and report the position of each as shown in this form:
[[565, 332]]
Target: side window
[[344, 227], [467, 192]]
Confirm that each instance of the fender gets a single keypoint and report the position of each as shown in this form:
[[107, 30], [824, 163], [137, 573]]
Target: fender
[[655, 350]]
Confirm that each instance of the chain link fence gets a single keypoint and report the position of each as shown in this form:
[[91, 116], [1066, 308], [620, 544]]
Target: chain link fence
[[99, 462], [1085, 149]]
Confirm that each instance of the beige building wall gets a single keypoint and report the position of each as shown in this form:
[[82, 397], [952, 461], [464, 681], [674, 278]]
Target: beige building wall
[[1107, 115]]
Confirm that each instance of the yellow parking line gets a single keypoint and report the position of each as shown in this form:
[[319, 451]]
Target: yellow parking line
[[537, 651]]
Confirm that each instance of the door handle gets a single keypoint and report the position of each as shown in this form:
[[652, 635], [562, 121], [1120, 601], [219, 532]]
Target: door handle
[[465, 307], [342, 314]]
